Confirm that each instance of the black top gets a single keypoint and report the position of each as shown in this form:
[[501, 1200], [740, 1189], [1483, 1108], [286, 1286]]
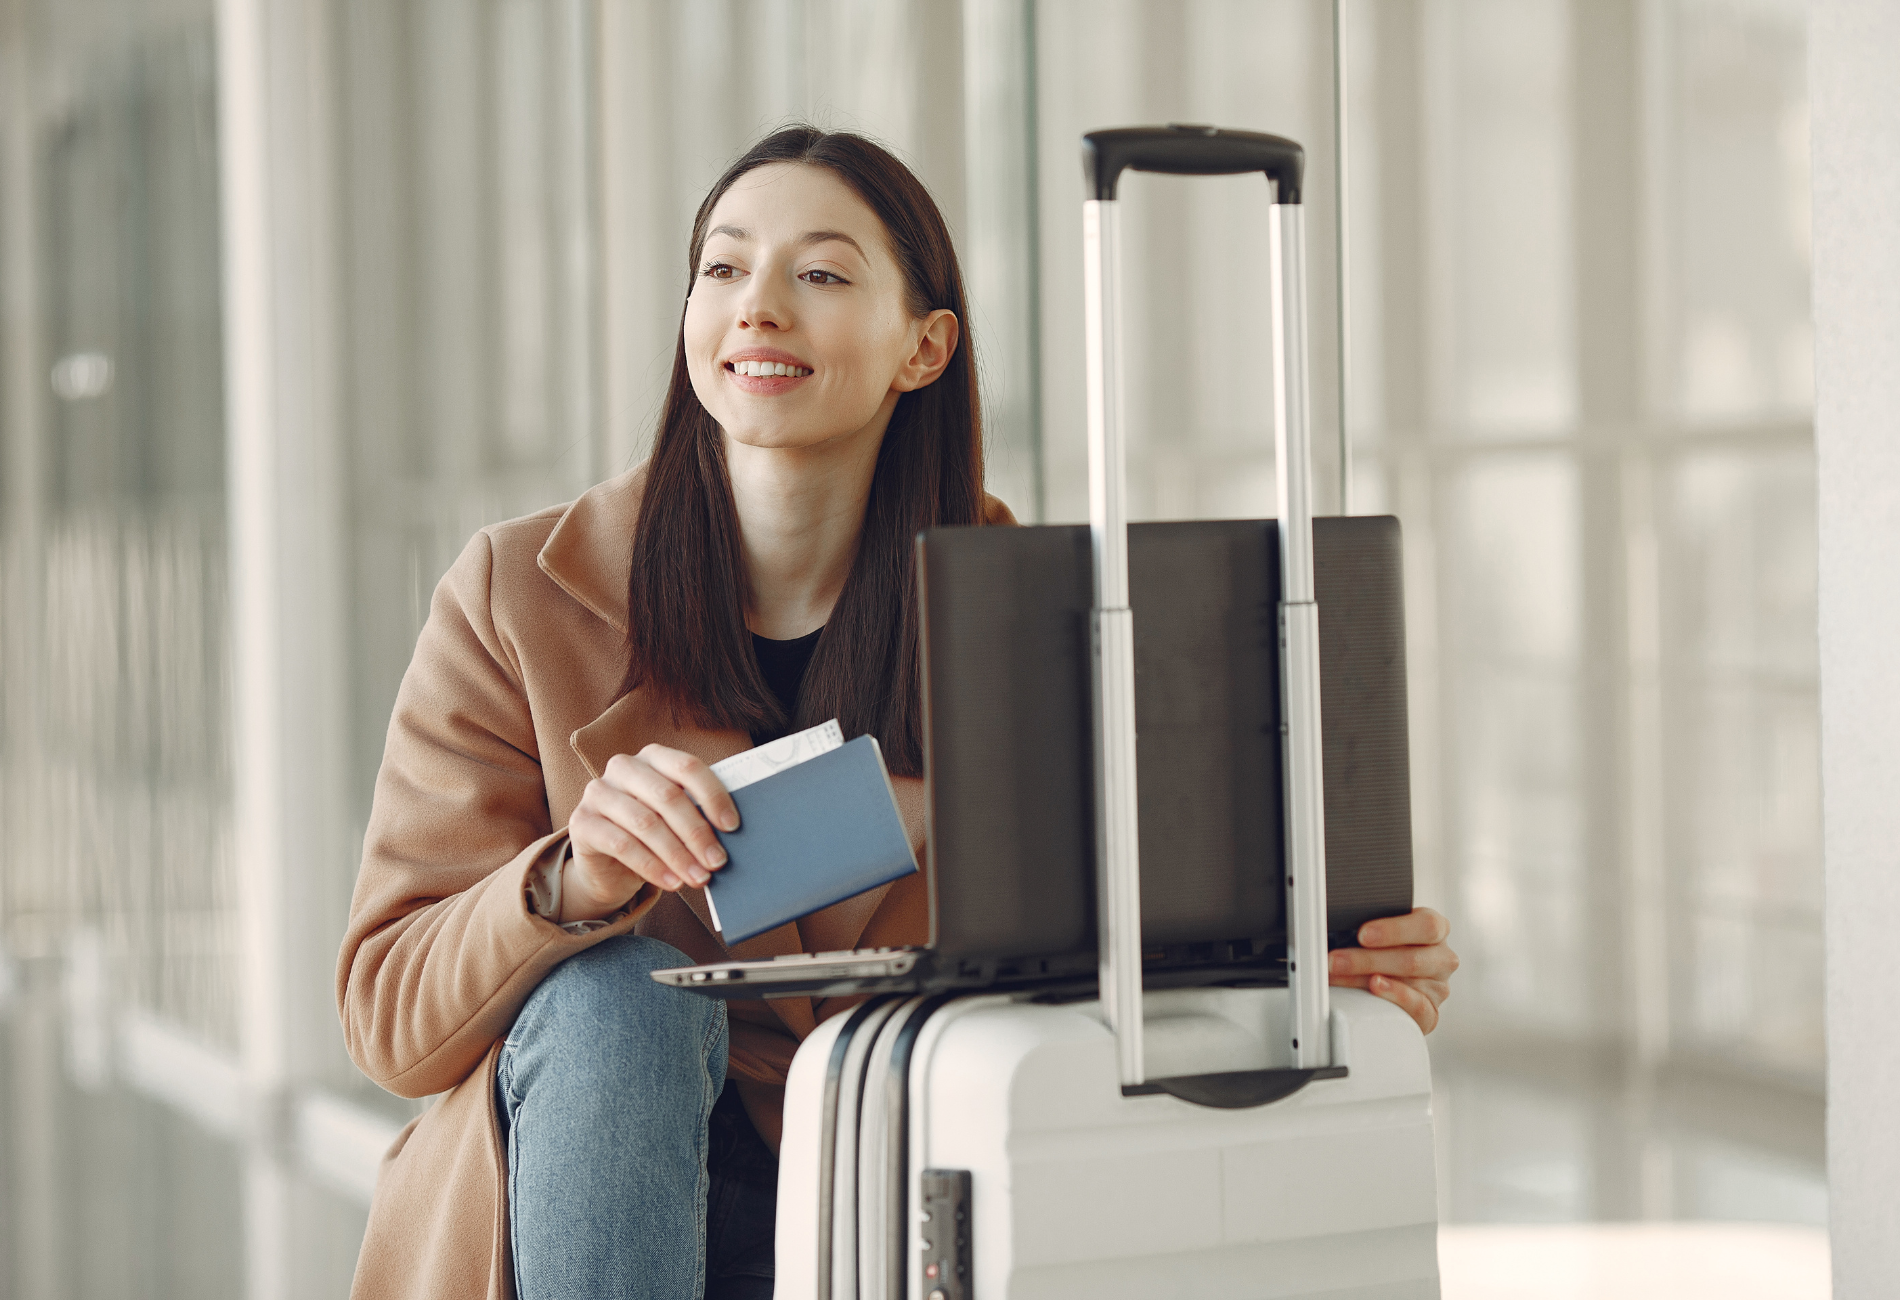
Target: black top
[[783, 664]]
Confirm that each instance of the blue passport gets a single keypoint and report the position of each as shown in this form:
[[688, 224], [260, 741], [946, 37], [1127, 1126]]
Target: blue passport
[[809, 836]]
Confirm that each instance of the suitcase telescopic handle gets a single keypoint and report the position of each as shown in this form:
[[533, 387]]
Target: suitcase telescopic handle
[[1182, 149], [1202, 151]]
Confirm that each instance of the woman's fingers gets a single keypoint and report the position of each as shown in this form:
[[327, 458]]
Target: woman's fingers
[[660, 812], [1403, 959], [697, 779], [1422, 927], [1436, 962], [1408, 999], [643, 816], [1414, 979], [649, 828], [1412, 996], [1436, 990], [596, 838]]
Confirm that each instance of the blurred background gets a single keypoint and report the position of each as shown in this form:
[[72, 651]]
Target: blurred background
[[296, 294]]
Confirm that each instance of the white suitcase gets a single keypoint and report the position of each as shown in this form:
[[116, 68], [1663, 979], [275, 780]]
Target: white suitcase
[[1225, 1141], [1074, 1190]]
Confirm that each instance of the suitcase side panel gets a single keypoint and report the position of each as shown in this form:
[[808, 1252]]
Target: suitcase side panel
[[815, 1243], [796, 1232], [1078, 1190], [918, 1148]]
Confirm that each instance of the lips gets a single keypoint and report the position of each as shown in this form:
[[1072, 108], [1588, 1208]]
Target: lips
[[766, 371]]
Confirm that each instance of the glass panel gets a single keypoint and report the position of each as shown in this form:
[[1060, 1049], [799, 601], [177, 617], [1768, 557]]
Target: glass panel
[[1498, 150], [133, 727], [1735, 167], [1196, 334], [117, 882], [1510, 575], [1614, 705], [467, 383], [1739, 615]]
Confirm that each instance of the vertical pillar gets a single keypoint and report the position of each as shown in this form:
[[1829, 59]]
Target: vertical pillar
[[1856, 161], [243, 139], [934, 57], [1001, 241], [1624, 882], [642, 263], [1398, 143], [286, 584], [1342, 245], [33, 1236], [577, 238], [1324, 307]]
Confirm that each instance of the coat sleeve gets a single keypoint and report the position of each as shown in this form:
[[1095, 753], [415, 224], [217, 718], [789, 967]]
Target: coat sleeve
[[442, 949]]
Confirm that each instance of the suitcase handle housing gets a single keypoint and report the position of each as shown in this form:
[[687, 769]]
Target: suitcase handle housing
[[1199, 151]]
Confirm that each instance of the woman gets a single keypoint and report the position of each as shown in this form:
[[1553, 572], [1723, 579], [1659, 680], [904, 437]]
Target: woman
[[543, 820]]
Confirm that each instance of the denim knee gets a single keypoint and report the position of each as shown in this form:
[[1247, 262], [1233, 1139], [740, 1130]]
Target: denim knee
[[600, 1017], [605, 1086]]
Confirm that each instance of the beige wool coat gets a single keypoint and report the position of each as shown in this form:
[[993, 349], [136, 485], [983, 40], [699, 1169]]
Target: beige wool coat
[[511, 705]]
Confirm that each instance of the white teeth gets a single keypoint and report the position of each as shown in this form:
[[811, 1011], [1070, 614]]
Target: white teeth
[[768, 369]]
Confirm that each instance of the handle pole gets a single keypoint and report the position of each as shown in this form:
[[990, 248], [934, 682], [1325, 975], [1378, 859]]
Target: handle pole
[[1309, 1027], [1112, 638]]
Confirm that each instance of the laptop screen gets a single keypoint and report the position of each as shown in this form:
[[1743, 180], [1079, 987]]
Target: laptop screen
[[1009, 753]]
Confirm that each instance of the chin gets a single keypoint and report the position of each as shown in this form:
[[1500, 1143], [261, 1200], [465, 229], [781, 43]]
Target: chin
[[783, 439], [777, 439]]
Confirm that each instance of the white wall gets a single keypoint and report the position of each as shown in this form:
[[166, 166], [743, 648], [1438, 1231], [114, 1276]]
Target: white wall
[[1856, 159]]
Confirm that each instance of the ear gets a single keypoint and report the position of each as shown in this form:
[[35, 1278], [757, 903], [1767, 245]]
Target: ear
[[936, 344]]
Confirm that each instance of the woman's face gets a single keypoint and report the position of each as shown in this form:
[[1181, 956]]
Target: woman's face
[[797, 332]]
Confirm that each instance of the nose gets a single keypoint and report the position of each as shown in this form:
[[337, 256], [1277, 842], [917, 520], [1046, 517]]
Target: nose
[[763, 307]]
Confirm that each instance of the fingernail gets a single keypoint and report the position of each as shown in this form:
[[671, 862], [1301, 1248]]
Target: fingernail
[[700, 878], [1341, 963], [731, 823], [716, 857], [1368, 936], [670, 881], [1378, 983]]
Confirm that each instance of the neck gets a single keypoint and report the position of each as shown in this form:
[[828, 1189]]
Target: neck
[[800, 512]]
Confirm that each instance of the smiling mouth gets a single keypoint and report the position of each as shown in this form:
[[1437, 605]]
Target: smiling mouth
[[767, 369]]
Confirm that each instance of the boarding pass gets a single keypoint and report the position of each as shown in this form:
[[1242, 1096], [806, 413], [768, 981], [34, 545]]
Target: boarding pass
[[742, 770]]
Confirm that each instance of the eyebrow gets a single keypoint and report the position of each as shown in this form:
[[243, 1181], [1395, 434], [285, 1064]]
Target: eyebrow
[[806, 240]]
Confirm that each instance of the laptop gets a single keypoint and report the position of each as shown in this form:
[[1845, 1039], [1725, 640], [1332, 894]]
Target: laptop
[[1009, 762]]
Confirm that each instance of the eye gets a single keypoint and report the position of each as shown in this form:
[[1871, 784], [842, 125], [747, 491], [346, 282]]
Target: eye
[[818, 275], [719, 271]]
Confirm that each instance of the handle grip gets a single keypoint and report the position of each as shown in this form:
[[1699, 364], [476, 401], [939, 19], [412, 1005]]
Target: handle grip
[[1234, 1089], [1185, 150]]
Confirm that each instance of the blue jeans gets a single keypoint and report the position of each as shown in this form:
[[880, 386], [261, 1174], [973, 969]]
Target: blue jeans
[[632, 1170]]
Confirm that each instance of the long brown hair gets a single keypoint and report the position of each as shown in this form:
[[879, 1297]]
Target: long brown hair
[[685, 601]]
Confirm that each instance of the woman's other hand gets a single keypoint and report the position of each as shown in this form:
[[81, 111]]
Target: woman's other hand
[[648, 818], [1403, 959]]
